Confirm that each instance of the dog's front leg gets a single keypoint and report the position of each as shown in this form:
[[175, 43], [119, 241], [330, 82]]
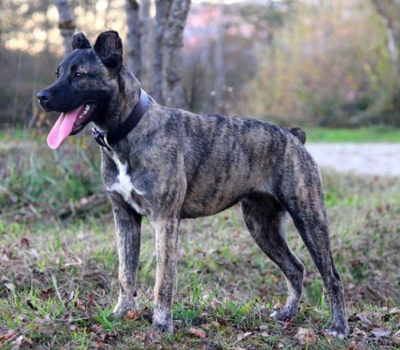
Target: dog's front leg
[[166, 246], [128, 225]]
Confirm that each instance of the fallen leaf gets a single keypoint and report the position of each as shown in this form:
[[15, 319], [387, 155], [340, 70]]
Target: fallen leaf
[[278, 346], [306, 336], [153, 335], [287, 324], [3, 333], [264, 334], [394, 311], [278, 306], [90, 299], [244, 336], [10, 286], [263, 327], [22, 340], [359, 333], [80, 305], [361, 317], [95, 328], [396, 337], [132, 315], [357, 346], [24, 243], [198, 333], [141, 336], [381, 332]]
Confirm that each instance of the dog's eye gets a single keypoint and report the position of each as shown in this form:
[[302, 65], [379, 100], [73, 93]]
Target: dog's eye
[[79, 74]]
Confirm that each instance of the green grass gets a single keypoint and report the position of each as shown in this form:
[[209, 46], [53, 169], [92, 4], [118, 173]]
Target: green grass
[[365, 134], [58, 274]]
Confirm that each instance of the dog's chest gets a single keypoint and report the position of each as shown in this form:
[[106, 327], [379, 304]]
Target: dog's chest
[[124, 186]]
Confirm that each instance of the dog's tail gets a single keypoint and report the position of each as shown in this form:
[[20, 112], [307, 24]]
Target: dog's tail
[[299, 133]]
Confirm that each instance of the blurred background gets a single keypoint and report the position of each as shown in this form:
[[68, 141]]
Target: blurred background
[[311, 62]]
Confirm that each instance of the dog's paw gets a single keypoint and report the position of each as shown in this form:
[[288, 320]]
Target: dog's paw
[[121, 309], [284, 314], [166, 327], [162, 321], [338, 331]]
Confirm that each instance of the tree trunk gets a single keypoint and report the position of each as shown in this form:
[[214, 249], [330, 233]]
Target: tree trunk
[[146, 44], [66, 24], [219, 58], [173, 92], [133, 40], [393, 35], [162, 10]]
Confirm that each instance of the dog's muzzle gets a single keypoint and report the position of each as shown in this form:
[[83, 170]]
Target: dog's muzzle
[[44, 96]]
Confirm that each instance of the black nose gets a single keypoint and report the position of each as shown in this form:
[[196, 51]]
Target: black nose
[[44, 96]]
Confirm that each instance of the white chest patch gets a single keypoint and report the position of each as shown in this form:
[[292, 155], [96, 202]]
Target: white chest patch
[[124, 185]]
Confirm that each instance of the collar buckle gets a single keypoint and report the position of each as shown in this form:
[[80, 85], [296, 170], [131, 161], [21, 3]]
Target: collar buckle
[[101, 138]]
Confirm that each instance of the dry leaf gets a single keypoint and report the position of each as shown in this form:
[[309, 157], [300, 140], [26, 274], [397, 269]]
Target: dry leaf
[[22, 340], [364, 319], [132, 315], [381, 332], [243, 336], [394, 311], [396, 337], [198, 333], [24, 243], [278, 306], [306, 336], [3, 333], [278, 346], [359, 333], [153, 335], [264, 334], [80, 305], [141, 336]]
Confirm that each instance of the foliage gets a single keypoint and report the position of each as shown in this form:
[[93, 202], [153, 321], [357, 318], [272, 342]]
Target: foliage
[[326, 68]]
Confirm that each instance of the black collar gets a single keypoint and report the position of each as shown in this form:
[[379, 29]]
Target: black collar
[[113, 136]]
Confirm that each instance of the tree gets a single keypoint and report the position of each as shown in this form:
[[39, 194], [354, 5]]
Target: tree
[[134, 34], [162, 10], [173, 93], [66, 24], [389, 10]]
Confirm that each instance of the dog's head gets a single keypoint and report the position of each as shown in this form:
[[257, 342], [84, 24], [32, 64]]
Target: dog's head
[[86, 85]]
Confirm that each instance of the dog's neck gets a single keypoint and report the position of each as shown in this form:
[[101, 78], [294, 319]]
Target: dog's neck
[[123, 104]]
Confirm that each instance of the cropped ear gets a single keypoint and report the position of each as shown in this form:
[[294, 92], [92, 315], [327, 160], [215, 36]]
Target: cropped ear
[[79, 41], [108, 47]]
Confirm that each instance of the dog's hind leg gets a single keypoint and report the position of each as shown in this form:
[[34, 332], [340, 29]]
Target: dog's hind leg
[[264, 217], [303, 198], [128, 226], [167, 256]]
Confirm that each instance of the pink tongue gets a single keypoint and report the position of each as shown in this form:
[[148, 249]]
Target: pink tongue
[[63, 127]]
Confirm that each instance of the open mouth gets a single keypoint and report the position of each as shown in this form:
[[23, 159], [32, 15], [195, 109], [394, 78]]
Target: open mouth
[[70, 123]]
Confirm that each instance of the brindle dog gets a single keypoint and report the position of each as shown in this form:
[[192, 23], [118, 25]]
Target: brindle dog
[[176, 165]]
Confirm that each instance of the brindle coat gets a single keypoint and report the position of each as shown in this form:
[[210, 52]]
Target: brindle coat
[[176, 165]]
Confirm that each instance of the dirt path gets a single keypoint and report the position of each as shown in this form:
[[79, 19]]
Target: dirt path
[[364, 159]]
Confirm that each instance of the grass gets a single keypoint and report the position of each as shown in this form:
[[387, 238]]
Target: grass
[[359, 135], [58, 266]]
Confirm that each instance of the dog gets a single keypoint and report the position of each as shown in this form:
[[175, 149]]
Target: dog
[[169, 164]]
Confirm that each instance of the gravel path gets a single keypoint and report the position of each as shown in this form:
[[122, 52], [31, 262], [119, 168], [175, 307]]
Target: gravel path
[[365, 159]]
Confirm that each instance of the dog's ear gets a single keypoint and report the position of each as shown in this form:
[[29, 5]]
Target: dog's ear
[[79, 41], [109, 48]]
